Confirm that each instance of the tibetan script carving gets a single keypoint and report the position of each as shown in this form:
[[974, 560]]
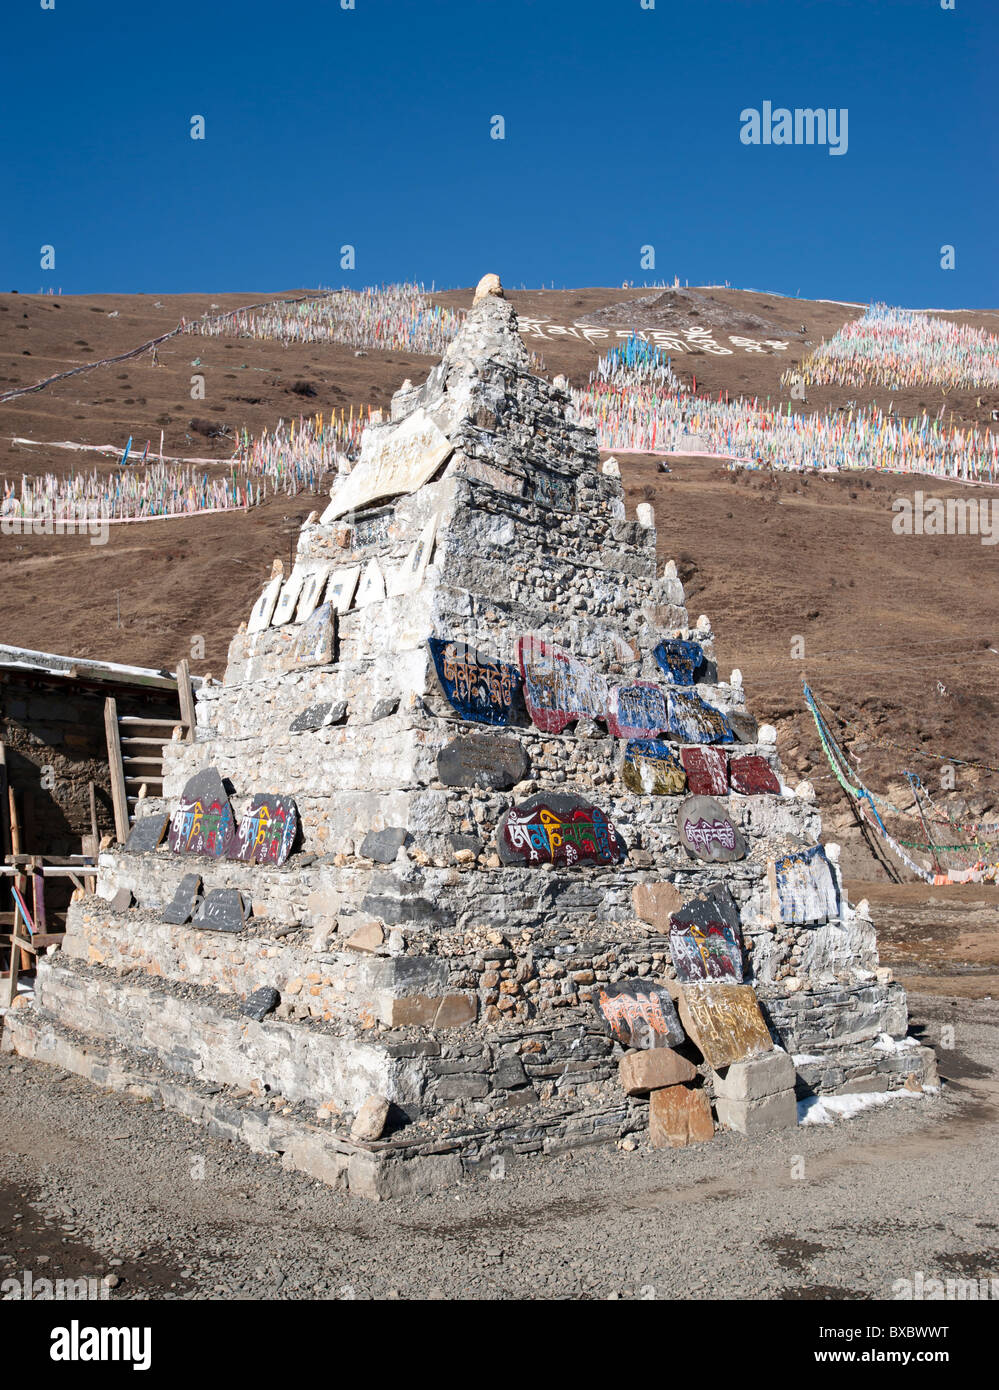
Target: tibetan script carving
[[558, 690], [753, 776], [706, 770], [397, 459], [556, 829], [707, 831], [636, 711], [802, 887], [652, 767], [705, 941], [693, 720], [203, 823], [267, 830], [477, 687], [680, 661], [638, 1014]]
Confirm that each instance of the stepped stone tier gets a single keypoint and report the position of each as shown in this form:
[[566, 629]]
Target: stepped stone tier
[[491, 901]]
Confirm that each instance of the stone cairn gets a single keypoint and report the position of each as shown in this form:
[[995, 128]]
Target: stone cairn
[[473, 856]]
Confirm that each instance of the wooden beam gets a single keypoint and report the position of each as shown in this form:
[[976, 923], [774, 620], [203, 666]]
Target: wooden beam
[[186, 693], [118, 796]]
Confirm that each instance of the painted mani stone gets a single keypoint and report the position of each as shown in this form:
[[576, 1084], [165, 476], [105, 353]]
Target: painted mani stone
[[558, 690], [477, 687], [802, 887], [553, 828], [146, 833], [652, 767], [267, 830], [636, 711], [680, 662], [753, 776], [706, 770], [725, 1022], [638, 1014], [706, 829], [483, 760], [315, 643], [705, 940], [693, 720], [203, 823]]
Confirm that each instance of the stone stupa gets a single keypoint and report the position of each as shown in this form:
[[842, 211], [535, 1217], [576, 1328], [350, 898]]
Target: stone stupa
[[484, 859]]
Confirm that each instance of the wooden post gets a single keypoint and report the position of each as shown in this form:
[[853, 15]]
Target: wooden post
[[186, 693], [119, 796]]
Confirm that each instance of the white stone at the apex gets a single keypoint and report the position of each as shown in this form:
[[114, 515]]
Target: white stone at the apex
[[611, 468], [645, 514], [489, 284], [767, 734]]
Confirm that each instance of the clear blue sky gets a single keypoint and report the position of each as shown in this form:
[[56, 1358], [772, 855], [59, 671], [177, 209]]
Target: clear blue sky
[[371, 127]]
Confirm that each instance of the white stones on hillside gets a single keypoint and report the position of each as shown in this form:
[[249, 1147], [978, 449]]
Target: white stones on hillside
[[645, 515], [767, 736]]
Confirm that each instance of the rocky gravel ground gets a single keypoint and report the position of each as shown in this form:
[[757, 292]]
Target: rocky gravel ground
[[101, 1185]]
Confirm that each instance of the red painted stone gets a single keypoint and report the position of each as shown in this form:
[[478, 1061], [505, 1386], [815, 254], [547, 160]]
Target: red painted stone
[[705, 769], [753, 776]]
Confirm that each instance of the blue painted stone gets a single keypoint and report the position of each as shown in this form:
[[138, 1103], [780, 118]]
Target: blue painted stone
[[679, 661], [477, 687]]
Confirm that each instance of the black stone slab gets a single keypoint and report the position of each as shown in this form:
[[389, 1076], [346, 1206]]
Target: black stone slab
[[638, 1013], [185, 901], [706, 939], [223, 909], [146, 833], [317, 717], [557, 828], [260, 1003], [383, 845], [707, 830], [267, 830], [479, 760], [203, 823]]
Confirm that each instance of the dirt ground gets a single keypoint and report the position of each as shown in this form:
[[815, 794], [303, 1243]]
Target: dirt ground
[[97, 1184]]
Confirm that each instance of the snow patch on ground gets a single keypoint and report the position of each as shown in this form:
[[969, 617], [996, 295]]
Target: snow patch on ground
[[824, 1110]]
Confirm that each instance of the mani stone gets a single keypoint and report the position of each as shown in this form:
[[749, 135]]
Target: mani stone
[[706, 830], [640, 1072], [556, 828], [315, 642], [655, 902], [679, 1115], [753, 776], [705, 940], [146, 833], [122, 900], [650, 767], [223, 909], [496, 764], [371, 1119], [181, 909], [725, 1022], [706, 770], [383, 845], [260, 1003], [638, 1013]]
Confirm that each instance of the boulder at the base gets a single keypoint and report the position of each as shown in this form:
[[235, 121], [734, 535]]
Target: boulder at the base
[[371, 1119], [650, 1070], [679, 1115]]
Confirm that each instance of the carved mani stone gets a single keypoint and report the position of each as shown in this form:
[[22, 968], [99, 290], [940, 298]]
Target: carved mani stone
[[706, 770], [185, 900], [267, 831], [558, 690], [477, 687], [725, 1022], [753, 776], [494, 763], [553, 828], [223, 909], [203, 823], [705, 939], [693, 720], [802, 887], [651, 767], [146, 833], [705, 828], [638, 1013], [636, 711], [680, 661]]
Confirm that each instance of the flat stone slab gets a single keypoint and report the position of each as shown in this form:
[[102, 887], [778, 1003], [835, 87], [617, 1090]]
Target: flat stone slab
[[494, 763], [267, 830], [651, 768], [639, 1013], [802, 887], [680, 662], [383, 845], [753, 776], [725, 1022], [641, 1072], [705, 939], [678, 1116], [317, 717], [706, 769], [636, 711], [558, 689], [147, 833], [478, 688], [184, 903], [655, 902], [223, 909], [556, 828], [203, 823], [707, 831], [315, 645], [693, 720]]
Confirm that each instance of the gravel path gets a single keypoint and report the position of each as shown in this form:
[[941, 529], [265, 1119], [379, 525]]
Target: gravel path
[[97, 1184]]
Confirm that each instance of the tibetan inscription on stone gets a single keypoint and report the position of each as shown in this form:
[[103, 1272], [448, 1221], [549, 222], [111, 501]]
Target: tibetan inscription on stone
[[553, 828], [753, 776], [706, 830], [802, 887], [558, 690], [636, 711], [706, 770], [477, 687], [395, 459], [652, 767], [705, 941], [638, 1014], [680, 662], [267, 830], [203, 823], [693, 720]]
